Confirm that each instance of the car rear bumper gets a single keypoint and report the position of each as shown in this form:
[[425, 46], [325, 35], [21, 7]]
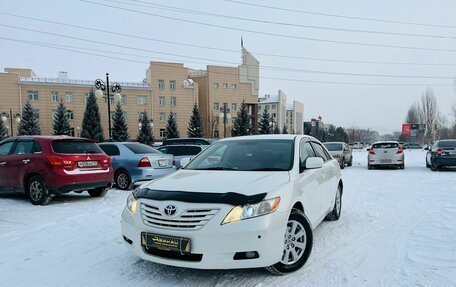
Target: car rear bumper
[[78, 187], [214, 245], [445, 161], [146, 174]]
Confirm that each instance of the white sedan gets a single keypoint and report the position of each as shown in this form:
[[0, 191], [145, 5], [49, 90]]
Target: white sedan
[[244, 202]]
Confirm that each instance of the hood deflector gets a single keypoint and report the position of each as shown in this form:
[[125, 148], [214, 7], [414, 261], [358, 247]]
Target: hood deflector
[[231, 198]]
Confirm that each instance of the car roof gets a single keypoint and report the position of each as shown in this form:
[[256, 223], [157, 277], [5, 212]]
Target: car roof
[[271, 136], [51, 137], [333, 143], [181, 145]]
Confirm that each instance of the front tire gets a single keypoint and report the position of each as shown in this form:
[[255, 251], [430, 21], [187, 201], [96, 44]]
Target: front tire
[[98, 192], [37, 191], [342, 164], [123, 180], [297, 245]]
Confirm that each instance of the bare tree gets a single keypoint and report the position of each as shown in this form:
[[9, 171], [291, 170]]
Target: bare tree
[[356, 134], [414, 114], [431, 117]]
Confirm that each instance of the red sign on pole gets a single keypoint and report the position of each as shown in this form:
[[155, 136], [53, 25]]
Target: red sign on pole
[[406, 129]]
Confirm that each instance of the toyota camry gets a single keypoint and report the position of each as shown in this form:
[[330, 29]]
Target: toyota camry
[[243, 202]]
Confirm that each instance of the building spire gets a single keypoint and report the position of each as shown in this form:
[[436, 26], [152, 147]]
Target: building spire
[[242, 43]]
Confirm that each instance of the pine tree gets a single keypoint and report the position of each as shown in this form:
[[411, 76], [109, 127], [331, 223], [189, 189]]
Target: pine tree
[[284, 130], [195, 125], [145, 135], [29, 124], [171, 127], [3, 131], [119, 125], [91, 123], [242, 126], [264, 125], [61, 125]]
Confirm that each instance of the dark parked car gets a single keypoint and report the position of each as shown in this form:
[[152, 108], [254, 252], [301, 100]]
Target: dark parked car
[[181, 151], [442, 153], [181, 141], [135, 162], [43, 166]]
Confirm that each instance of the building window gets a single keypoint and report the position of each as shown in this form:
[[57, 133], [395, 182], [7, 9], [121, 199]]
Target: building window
[[216, 106], [123, 99], [32, 95], [233, 119], [72, 132], [173, 101], [161, 84], [55, 96], [69, 97], [233, 107], [174, 115], [87, 95], [142, 100], [172, 84], [161, 101], [273, 107], [216, 134], [225, 85], [234, 86], [70, 115], [273, 115], [162, 117], [37, 113], [162, 133], [141, 116], [216, 85]]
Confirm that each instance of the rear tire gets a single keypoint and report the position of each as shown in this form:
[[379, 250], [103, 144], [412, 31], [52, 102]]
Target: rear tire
[[298, 234], [37, 191], [369, 166], [335, 213], [98, 192], [350, 163], [402, 166], [123, 180]]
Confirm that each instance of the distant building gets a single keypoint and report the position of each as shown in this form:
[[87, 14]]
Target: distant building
[[295, 118], [276, 106], [315, 128]]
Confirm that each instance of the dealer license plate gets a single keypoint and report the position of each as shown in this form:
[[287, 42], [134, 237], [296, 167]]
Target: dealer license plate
[[164, 242], [88, 163], [162, 162]]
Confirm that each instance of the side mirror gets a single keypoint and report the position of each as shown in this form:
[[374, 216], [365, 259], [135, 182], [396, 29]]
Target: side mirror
[[313, 162], [185, 161], [368, 149], [426, 148]]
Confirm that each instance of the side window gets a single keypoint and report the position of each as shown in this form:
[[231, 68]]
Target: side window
[[27, 147], [305, 151], [110, 149], [319, 151], [37, 146], [5, 148]]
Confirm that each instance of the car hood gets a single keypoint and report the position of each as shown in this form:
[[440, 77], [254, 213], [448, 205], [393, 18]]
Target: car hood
[[216, 181]]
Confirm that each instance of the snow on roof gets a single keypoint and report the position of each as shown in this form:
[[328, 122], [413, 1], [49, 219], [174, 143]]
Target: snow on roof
[[289, 106], [269, 99]]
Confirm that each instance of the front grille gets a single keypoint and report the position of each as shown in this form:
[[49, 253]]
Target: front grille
[[190, 219], [192, 257]]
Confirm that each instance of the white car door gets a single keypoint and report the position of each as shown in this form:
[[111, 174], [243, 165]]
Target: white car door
[[330, 168], [310, 184]]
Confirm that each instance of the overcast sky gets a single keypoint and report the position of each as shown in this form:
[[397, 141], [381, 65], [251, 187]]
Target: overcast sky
[[380, 107]]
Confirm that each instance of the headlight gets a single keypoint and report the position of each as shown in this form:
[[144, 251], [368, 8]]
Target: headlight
[[242, 212], [131, 203]]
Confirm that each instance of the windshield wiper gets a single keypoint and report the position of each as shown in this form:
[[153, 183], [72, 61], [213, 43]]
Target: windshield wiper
[[216, 168], [268, 169]]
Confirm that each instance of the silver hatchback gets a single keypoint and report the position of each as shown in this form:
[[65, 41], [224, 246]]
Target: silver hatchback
[[388, 153]]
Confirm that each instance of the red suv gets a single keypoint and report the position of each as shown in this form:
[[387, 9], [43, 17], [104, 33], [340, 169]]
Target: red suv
[[44, 166]]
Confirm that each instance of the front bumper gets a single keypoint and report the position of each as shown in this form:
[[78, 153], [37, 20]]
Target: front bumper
[[217, 244], [147, 174]]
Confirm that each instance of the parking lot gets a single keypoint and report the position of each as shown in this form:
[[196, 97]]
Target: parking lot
[[398, 227]]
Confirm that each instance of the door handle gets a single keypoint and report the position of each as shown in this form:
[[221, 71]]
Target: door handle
[[25, 161], [2, 163]]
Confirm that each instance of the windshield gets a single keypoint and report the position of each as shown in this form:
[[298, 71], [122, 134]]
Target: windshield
[[333, 146], [138, 148], [246, 155], [385, 145], [447, 144]]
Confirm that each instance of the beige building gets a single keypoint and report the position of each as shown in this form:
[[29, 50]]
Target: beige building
[[220, 87], [19, 85], [295, 118], [276, 106], [173, 92]]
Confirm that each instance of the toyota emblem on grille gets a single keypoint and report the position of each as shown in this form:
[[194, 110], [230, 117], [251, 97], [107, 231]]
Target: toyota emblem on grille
[[170, 210]]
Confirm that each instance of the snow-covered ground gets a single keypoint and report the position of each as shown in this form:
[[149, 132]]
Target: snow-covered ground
[[398, 228]]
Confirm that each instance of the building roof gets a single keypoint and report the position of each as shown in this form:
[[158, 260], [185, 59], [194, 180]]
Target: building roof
[[269, 99]]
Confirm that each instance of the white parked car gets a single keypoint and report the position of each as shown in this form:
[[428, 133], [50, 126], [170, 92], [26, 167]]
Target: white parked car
[[244, 202], [386, 153]]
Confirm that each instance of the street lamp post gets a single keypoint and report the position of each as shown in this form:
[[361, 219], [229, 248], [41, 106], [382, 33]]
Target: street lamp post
[[225, 114], [5, 117], [103, 91]]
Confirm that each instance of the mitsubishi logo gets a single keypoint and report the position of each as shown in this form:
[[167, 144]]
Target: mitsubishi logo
[[170, 210], [88, 157]]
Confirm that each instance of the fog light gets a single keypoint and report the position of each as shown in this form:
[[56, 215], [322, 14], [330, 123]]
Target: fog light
[[246, 255]]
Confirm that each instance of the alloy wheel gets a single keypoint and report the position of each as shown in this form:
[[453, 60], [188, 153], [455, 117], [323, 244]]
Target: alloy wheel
[[36, 190], [295, 243], [122, 181]]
